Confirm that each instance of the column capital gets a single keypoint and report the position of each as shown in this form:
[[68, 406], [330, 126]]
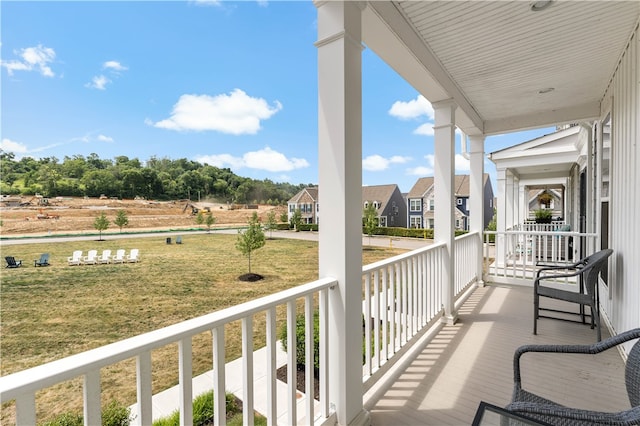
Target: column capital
[[445, 103]]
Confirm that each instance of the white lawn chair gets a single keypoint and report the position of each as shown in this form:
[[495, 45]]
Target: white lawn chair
[[76, 258], [118, 257], [134, 256], [105, 257], [91, 258]]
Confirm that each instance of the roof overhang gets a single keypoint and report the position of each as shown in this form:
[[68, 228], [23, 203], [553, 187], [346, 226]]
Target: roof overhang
[[506, 67]]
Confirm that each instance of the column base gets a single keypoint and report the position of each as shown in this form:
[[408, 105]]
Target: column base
[[362, 419], [450, 319]]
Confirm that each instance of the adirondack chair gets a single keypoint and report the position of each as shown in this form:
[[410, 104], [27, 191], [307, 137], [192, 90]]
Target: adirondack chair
[[179, 239], [118, 257], [105, 257], [75, 258], [91, 258], [134, 256], [43, 261], [12, 262]]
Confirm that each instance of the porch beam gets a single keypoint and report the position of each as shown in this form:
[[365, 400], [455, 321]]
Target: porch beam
[[444, 172], [340, 177]]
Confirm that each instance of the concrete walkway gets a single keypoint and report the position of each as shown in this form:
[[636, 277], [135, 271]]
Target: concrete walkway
[[166, 402]]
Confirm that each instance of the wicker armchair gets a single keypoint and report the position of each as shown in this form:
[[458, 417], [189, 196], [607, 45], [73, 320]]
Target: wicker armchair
[[587, 270], [542, 409]]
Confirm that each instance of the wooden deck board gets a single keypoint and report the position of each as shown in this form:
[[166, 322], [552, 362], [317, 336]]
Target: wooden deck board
[[472, 361]]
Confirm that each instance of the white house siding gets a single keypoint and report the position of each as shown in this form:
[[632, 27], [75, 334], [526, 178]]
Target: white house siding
[[622, 99]]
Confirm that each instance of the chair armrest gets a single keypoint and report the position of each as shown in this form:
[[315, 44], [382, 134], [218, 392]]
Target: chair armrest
[[571, 349], [630, 416]]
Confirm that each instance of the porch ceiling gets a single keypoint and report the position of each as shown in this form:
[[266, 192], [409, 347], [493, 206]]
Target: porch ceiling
[[494, 58]]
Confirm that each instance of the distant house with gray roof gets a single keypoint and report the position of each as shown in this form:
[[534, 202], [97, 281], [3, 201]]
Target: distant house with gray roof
[[387, 199], [389, 202], [421, 202]]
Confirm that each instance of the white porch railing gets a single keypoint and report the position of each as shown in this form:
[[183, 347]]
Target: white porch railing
[[539, 227], [401, 296], [22, 386], [516, 254]]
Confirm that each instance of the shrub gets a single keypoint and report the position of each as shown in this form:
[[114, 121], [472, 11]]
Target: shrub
[[300, 339], [202, 411], [113, 414], [308, 227]]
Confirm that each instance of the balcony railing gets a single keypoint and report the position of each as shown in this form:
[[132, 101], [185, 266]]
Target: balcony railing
[[516, 254], [401, 296]]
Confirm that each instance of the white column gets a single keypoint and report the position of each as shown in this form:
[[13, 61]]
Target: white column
[[523, 202], [501, 212], [509, 201], [476, 193], [444, 220], [340, 185]]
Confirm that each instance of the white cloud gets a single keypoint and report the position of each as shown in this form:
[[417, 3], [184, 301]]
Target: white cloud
[[376, 163], [8, 145], [425, 129], [114, 66], [419, 171], [264, 159], [103, 138], [415, 108], [32, 58], [462, 164], [207, 2], [235, 113], [98, 82]]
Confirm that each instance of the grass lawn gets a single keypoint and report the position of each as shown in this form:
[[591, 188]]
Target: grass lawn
[[51, 312]]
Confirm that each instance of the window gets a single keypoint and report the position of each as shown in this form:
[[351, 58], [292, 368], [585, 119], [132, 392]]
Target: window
[[383, 221], [366, 204], [292, 208], [376, 205], [430, 224], [459, 201], [432, 204], [415, 205], [415, 222]]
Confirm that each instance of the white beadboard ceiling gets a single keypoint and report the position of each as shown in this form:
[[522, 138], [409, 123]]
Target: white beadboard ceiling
[[494, 57]]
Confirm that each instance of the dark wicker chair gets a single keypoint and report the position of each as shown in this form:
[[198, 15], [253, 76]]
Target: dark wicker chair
[[586, 272], [536, 407]]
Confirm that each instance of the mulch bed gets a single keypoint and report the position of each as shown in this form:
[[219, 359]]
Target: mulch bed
[[281, 374], [250, 277]]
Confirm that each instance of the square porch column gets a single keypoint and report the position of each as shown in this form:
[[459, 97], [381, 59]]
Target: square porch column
[[340, 183], [476, 194], [444, 220]]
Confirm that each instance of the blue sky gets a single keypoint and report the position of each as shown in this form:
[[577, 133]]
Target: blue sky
[[231, 84]]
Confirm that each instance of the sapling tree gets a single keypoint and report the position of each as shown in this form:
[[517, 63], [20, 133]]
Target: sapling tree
[[370, 221], [121, 219], [101, 223], [251, 239], [271, 223]]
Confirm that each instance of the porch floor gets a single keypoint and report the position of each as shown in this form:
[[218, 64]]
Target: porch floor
[[472, 361]]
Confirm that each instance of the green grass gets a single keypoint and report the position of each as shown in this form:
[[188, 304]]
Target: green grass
[[52, 312]]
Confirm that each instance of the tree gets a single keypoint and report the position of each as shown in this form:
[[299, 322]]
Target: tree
[[370, 219], [296, 220], [121, 219], [284, 217], [101, 223], [209, 220], [271, 223], [200, 218], [251, 239]]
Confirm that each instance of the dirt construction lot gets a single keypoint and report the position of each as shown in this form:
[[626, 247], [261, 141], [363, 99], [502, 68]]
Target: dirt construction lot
[[77, 215]]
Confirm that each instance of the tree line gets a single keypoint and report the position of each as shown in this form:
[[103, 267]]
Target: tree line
[[124, 177]]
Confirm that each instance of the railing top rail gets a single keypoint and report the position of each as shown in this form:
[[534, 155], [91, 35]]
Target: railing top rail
[[467, 235], [49, 374], [389, 261], [554, 233]]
